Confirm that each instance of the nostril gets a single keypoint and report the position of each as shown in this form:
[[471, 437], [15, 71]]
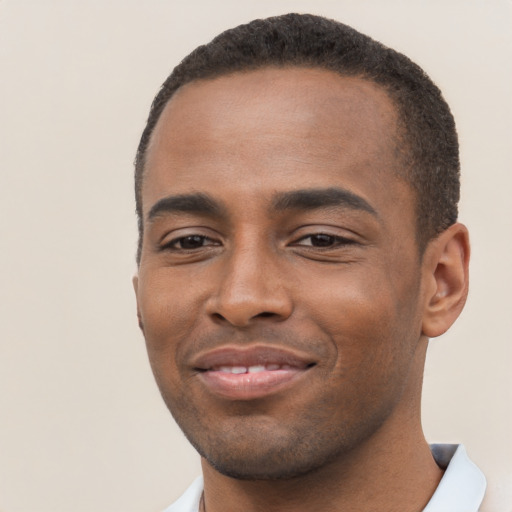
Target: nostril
[[265, 314], [242, 310]]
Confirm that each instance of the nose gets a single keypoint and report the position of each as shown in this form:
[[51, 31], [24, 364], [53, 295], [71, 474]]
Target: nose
[[251, 287]]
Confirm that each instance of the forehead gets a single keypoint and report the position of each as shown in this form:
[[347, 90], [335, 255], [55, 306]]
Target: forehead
[[304, 126]]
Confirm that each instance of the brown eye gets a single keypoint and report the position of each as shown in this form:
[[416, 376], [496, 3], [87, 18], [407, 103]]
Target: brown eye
[[189, 243], [322, 240]]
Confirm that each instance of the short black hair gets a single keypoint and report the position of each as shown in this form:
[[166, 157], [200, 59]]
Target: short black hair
[[428, 149]]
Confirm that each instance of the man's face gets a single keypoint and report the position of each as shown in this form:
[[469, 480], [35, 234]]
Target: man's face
[[280, 287]]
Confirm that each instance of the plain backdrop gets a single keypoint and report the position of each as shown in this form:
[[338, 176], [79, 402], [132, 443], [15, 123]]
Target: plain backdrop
[[82, 425]]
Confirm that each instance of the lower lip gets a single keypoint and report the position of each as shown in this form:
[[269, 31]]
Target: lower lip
[[249, 386]]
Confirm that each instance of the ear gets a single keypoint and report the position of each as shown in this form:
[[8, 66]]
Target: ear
[[445, 266], [135, 282]]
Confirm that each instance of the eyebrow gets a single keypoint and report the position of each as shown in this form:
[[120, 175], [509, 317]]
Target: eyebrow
[[196, 203], [311, 199]]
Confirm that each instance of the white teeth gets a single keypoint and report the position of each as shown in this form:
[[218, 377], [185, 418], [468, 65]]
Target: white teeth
[[238, 369], [233, 369], [257, 368]]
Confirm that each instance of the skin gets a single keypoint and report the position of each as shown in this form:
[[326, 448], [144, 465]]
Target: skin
[[339, 281]]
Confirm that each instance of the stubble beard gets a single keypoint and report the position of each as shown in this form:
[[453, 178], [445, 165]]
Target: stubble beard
[[259, 449]]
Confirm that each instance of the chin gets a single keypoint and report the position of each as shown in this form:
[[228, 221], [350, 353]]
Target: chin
[[252, 444], [270, 467], [257, 454]]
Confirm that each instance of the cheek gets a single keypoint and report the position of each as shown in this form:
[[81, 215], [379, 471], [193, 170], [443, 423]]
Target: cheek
[[347, 301], [167, 305], [365, 318], [169, 314]]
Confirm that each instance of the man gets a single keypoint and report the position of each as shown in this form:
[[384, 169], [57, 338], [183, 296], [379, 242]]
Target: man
[[297, 187]]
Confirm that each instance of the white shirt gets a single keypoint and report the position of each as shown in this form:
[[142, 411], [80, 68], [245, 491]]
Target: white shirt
[[463, 485], [461, 489]]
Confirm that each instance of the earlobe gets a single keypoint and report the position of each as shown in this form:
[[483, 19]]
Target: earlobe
[[446, 261], [135, 283]]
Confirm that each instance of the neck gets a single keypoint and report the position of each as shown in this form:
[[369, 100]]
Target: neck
[[393, 470]]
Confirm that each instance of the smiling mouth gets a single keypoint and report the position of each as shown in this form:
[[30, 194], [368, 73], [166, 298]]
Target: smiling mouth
[[257, 372], [257, 368]]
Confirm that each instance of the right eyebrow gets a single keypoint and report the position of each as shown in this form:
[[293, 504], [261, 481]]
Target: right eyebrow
[[185, 203], [316, 198]]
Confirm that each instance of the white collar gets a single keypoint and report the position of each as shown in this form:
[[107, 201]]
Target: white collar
[[463, 485]]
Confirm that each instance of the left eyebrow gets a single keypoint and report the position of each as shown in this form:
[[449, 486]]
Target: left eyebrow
[[195, 203], [316, 198]]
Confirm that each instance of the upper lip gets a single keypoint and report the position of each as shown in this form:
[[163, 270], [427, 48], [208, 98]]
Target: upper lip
[[250, 356]]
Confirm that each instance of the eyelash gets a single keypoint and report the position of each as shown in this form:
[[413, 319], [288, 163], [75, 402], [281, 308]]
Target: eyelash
[[172, 245], [333, 241]]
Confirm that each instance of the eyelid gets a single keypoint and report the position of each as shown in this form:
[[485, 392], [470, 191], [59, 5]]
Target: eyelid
[[171, 244], [338, 240], [171, 237], [342, 233]]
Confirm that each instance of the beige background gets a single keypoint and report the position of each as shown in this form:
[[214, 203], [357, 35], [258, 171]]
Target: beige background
[[82, 426]]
